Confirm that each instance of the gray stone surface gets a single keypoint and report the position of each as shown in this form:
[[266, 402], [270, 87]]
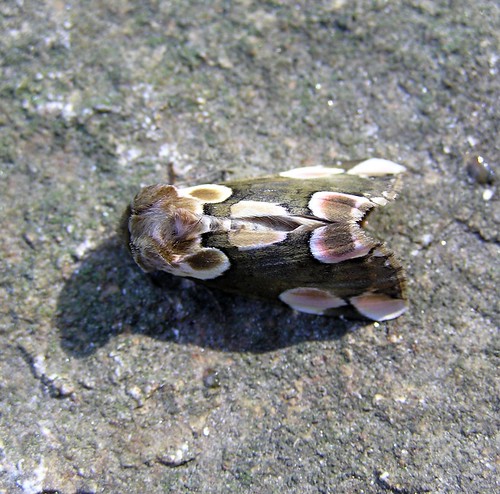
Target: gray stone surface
[[109, 384]]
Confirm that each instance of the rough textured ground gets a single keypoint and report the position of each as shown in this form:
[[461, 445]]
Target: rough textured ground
[[109, 384]]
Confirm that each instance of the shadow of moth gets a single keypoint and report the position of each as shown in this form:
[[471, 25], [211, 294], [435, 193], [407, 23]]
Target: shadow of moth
[[296, 236]]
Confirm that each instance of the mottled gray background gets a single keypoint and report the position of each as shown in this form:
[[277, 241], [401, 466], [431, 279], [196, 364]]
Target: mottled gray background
[[110, 384]]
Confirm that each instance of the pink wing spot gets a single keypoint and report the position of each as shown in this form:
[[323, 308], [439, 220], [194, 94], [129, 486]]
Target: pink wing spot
[[378, 306], [376, 167], [311, 300], [337, 243], [335, 206]]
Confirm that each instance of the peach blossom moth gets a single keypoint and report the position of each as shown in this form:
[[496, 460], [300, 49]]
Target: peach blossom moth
[[295, 237]]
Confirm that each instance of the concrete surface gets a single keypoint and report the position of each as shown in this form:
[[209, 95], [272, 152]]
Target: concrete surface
[[110, 384]]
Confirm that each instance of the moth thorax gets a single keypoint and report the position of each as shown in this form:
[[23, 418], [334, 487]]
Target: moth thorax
[[190, 226]]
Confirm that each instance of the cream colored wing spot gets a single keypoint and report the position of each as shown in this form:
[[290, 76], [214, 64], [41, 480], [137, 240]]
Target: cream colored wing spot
[[376, 167], [248, 239], [311, 300], [245, 209], [207, 193], [311, 172], [378, 306], [206, 264]]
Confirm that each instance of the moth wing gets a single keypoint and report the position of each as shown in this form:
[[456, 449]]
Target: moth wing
[[331, 268], [375, 180]]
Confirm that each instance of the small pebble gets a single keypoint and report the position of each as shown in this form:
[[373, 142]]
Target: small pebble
[[480, 170]]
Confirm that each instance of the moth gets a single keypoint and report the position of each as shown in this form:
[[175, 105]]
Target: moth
[[297, 237]]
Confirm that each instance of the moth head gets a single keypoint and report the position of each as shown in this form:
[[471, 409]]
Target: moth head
[[163, 228]]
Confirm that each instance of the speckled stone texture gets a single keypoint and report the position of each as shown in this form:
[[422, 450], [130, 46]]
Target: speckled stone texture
[[113, 382]]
